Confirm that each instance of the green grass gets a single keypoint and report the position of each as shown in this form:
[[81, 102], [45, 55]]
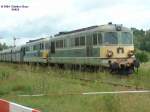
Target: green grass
[[60, 85]]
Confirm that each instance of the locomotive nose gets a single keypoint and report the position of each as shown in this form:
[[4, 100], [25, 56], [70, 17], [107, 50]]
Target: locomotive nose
[[117, 51]]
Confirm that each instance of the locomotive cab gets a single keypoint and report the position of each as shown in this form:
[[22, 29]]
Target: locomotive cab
[[117, 49]]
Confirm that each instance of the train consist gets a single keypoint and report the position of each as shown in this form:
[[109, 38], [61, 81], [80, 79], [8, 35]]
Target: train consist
[[107, 45]]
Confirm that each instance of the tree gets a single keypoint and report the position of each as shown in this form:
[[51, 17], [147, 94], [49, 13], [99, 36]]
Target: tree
[[3, 46], [142, 56], [142, 39]]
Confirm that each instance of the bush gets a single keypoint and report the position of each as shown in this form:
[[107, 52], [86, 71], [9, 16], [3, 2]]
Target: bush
[[142, 56], [4, 75]]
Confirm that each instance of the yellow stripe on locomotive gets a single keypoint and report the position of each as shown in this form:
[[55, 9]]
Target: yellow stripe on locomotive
[[45, 54]]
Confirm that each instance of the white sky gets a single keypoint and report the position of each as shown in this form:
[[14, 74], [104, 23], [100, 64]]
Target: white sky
[[45, 17]]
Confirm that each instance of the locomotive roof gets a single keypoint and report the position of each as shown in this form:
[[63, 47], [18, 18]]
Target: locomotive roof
[[36, 41], [30, 41], [78, 30], [105, 28]]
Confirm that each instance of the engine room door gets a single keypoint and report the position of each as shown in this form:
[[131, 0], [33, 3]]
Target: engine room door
[[52, 47], [89, 46]]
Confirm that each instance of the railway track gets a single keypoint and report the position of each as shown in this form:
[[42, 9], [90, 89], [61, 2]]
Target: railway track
[[113, 83], [104, 82]]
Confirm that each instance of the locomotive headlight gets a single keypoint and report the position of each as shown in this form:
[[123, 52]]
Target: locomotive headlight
[[131, 53], [109, 53]]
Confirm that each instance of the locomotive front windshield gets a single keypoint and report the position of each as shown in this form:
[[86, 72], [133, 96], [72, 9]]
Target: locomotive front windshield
[[110, 38], [117, 38], [126, 38]]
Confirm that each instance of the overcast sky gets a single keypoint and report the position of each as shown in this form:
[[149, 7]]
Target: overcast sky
[[47, 17]]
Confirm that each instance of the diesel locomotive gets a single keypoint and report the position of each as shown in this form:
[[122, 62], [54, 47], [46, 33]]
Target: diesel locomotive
[[108, 45]]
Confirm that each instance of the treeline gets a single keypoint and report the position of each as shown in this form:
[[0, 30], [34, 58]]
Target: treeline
[[142, 39], [3, 46], [142, 44]]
